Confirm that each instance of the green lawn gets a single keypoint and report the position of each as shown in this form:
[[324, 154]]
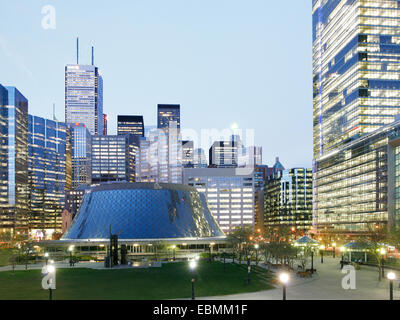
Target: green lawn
[[5, 255], [172, 281]]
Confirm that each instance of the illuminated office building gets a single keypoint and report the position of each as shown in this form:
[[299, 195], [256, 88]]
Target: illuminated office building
[[131, 125], [113, 158], [14, 185], [81, 143], [199, 158], [48, 169], [250, 157], [105, 124], [288, 199], [84, 97], [188, 154], [230, 194], [168, 113], [160, 156], [356, 54], [224, 154]]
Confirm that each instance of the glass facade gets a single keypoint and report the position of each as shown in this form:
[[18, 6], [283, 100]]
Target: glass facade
[[84, 97], [160, 156], [14, 160], [356, 64], [230, 194], [113, 158], [169, 113], [48, 181], [288, 199], [81, 144], [131, 125], [143, 211], [224, 154], [188, 154], [357, 185], [356, 54]]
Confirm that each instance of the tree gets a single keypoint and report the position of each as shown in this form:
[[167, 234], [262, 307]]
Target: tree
[[375, 240], [240, 240], [6, 237]]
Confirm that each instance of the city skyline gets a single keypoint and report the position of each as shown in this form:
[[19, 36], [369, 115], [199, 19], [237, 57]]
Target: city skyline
[[214, 85]]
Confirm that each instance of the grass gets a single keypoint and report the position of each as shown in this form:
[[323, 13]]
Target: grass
[[5, 255], [172, 281]]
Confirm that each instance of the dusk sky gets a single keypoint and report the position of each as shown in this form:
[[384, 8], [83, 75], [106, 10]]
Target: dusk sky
[[225, 61]]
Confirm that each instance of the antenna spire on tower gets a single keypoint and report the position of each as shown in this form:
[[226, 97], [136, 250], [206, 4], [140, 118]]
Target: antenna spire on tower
[[77, 50], [92, 56]]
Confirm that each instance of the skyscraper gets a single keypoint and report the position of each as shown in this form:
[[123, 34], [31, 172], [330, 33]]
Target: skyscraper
[[113, 158], [81, 144], [14, 160], [224, 154], [105, 124], [48, 174], [188, 154], [131, 124], [356, 53], [168, 113], [84, 97]]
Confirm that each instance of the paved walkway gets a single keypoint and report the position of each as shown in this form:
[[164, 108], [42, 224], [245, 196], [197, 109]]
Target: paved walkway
[[325, 285]]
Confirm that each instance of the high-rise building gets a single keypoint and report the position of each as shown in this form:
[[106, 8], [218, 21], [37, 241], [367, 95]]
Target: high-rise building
[[199, 158], [230, 194], [168, 113], [188, 154], [48, 169], [224, 154], [84, 97], [288, 199], [250, 157], [160, 157], [131, 125], [113, 158], [105, 124], [81, 145], [14, 185], [356, 52]]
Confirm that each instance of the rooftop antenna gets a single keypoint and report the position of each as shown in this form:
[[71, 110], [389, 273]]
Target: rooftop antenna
[[77, 50], [54, 112], [92, 56]]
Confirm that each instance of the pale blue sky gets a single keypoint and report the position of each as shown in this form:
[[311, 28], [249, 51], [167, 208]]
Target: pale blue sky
[[224, 61]]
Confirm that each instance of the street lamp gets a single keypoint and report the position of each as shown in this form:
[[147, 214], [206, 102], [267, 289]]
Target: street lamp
[[312, 260], [382, 251], [192, 266], [342, 250], [334, 250], [391, 276], [256, 247], [173, 250], [248, 268], [322, 248], [48, 281], [46, 257], [284, 279], [70, 249]]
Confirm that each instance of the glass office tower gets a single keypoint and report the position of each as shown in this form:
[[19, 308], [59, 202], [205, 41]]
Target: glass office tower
[[131, 124], [288, 199], [14, 160], [81, 144], [48, 181], [113, 158], [84, 97], [356, 64], [169, 113]]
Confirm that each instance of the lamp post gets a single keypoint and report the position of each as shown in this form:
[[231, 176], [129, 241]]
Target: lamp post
[[312, 260], [322, 248], [391, 276], [343, 250], [284, 279], [383, 252], [248, 268], [192, 266], [70, 249], [334, 250], [46, 257], [256, 247], [173, 252]]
